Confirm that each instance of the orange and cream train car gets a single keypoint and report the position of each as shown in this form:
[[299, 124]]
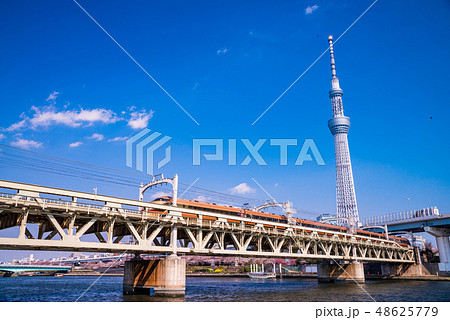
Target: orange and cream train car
[[268, 217]]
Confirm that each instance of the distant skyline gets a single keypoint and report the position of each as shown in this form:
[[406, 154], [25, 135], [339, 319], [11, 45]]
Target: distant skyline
[[67, 90]]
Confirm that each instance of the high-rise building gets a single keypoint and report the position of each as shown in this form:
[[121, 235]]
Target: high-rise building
[[339, 126]]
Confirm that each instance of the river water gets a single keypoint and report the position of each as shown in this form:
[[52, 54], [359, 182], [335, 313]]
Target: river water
[[108, 288]]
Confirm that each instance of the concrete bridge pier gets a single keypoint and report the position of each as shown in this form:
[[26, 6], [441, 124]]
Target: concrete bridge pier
[[340, 272], [167, 277], [442, 241], [403, 270]]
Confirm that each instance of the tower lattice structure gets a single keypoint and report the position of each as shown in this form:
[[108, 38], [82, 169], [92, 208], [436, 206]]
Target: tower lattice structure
[[339, 126]]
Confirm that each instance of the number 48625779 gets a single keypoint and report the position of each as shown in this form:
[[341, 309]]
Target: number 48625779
[[407, 311]]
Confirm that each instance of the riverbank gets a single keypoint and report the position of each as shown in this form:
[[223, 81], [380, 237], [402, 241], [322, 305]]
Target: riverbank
[[289, 276], [92, 274], [245, 275]]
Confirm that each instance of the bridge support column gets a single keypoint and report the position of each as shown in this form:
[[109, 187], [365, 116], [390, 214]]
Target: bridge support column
[[350, 272], [402, 270], [167, 277], [441, 235]]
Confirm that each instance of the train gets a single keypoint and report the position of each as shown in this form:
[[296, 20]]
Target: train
[[268, 217]]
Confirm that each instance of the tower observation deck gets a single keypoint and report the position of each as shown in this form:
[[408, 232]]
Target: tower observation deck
[[339, 126]]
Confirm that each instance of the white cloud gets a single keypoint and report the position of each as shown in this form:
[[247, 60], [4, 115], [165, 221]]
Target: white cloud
[[160, 194], [139, 119], [276, 184], [17, 126], [26, 144], [201, 198], [97, 137], [75, 144], [52, 96], [310, 9], [43, 117], [72, 118], [117, 139], [48, 115], [2, 136], [95, 115], [222, 51], [242, 188]]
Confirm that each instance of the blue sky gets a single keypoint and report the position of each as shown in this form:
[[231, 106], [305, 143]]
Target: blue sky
[[64, 81]]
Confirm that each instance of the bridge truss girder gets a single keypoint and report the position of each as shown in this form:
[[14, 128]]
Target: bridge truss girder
[[65, 227]]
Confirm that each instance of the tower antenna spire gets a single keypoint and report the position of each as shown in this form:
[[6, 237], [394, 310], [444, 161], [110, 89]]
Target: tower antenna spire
[[333, 65]]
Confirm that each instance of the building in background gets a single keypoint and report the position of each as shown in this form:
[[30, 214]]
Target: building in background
[[326, 216]]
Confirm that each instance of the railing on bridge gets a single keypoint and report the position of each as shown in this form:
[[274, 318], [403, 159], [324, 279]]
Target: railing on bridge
[[10, 267], [404, 216]]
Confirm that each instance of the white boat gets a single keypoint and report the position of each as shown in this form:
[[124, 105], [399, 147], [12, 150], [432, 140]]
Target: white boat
[[257, 272], [261, 275]]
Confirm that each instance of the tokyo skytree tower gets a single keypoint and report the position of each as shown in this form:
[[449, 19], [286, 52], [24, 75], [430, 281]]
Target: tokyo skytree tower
[[339, 126]]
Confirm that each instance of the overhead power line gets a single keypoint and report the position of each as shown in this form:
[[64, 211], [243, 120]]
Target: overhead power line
[[34, 162]]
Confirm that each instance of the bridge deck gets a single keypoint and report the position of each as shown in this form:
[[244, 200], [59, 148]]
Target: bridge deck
[[414, 221], [82, 224]]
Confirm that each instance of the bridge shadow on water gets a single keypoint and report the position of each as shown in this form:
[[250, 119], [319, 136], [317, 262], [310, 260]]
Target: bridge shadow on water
[[150, 298], [309, 290]]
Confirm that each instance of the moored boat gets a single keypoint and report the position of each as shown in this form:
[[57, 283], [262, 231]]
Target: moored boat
[[261, 275]]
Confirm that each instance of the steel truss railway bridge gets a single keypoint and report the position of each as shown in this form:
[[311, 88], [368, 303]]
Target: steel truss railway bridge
[[64, 220], [63, 225]]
